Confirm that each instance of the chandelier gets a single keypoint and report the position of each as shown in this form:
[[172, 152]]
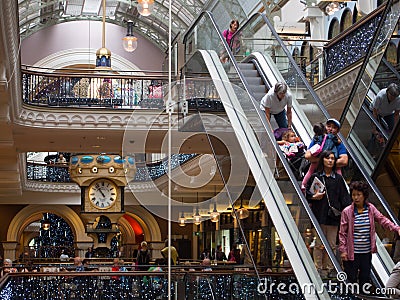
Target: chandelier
[[145, 7], [129, 42], [332, 7]]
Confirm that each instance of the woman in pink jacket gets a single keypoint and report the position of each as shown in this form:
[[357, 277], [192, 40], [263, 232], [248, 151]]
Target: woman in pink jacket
[[357, 239]]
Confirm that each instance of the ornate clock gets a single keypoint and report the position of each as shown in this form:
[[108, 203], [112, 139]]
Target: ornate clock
[[102, 193]]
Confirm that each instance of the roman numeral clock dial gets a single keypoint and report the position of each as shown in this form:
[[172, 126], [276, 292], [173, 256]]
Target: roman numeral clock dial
[[102, 193]]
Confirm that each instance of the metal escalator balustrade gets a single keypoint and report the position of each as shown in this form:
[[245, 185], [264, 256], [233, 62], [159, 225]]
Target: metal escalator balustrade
[[353, 116], [315, 106], [258, 125], [285, 64]]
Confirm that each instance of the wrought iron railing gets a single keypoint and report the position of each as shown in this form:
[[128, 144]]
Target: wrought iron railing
[[144, 172], [345, 49], [77, 89], [105, 284]]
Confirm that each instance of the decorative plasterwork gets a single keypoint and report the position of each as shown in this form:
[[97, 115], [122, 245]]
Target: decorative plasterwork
[[77, 56], [39, 186], [337, 88], [90, 118], [108, 119]]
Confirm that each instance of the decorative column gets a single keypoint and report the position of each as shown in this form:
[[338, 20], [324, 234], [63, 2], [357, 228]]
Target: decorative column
[[81, 248], [156, 248], [10, 250]]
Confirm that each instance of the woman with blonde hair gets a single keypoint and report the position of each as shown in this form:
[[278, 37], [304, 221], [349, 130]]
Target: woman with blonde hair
[[143, 257]]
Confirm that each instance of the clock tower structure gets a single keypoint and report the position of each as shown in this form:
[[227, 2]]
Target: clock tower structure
[[102, 179]]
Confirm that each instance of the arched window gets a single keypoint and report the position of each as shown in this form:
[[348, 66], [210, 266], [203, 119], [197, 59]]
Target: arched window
[[391, 54], [307, 52], [334, 28], [347, 20], [356, 15]]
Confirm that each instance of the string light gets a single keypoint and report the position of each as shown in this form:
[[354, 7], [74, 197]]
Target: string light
[[218, 286]]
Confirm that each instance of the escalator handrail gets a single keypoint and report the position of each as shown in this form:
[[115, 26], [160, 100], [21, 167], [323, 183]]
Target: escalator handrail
[[263, 120], [374, 121], [222, 40], [365, 62], [358, 163], [386, 151], [300, 194], [391, 68], [271, 137]]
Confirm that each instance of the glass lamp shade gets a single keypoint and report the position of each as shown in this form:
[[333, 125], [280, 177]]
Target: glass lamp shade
[[145, 7], [332, 8], [197, 217], [214, 216], [197, 220], [242, 213], [129, 43], [182, 220], [46, 225]]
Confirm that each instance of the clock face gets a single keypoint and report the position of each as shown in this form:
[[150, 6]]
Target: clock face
[[102, 193]]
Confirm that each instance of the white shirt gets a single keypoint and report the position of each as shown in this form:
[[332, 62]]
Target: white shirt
[[382, 105], [64, 257], [271, 101]]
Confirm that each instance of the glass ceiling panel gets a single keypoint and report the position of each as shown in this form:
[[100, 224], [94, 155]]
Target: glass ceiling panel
[[35, 15]]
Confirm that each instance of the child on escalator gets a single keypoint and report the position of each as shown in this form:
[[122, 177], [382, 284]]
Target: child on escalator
[[294, 151], [322, 141], [290, 144]]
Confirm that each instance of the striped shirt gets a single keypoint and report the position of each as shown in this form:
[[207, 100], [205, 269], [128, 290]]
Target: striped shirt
[[362, 240]]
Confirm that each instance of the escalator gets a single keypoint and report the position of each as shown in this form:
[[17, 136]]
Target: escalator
[[307, 104], [257, 147], [252, 131]]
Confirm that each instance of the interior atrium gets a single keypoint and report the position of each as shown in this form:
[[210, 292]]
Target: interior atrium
[[136, 125]]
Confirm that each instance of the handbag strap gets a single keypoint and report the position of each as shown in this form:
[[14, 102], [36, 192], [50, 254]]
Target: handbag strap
[[326, 191]]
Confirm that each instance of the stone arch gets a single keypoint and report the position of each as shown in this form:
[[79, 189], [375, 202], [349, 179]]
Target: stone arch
[[346, 20], [334, 28], [150, 227], [32, 213], [66, 58]]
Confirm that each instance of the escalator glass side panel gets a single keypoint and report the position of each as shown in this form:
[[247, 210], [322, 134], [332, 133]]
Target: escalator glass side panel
[[387, 178], [359, 92], [354, 171], [254, 115], [204, 35], [260, 154], [260, 37], [367, 140]]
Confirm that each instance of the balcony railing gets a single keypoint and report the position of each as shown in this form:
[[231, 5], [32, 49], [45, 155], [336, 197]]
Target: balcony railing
[[144, 172], [345, 49], [54, 88], [185, 284]]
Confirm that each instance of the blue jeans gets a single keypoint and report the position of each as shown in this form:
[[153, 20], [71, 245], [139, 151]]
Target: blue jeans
[[281, 119]]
